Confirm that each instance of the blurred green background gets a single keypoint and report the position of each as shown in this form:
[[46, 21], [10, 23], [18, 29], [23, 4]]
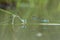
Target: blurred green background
[[33, 11]]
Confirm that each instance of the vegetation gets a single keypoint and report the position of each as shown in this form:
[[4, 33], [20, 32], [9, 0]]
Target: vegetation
[[12, 26]]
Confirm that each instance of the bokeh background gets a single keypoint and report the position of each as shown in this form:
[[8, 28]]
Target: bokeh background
[[34, 12]]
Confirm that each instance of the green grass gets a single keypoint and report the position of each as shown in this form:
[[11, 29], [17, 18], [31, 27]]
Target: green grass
[[41, 9]]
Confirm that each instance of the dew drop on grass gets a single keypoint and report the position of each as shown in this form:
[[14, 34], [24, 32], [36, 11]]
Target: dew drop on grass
[[45, 21], [39, 34]]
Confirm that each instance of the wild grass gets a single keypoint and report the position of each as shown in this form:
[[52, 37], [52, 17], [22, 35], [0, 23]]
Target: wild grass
[[26, 9]]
